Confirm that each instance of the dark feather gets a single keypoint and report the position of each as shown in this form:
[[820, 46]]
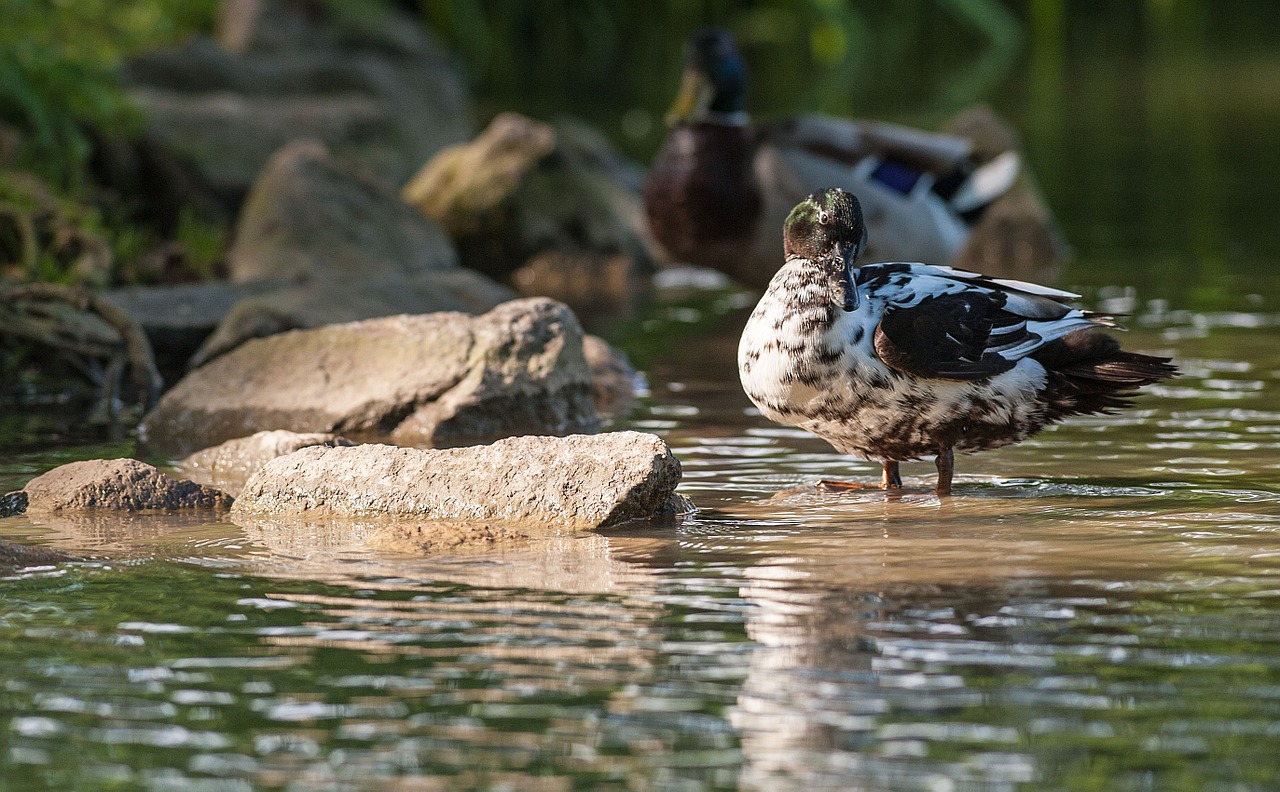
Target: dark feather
[[948, 336], [700, 193], [1090, 373]]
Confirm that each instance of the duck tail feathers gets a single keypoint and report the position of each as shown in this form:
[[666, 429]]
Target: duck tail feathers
[[1088, 372]]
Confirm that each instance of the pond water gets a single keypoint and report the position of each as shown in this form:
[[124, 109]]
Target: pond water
[[1097, 608]]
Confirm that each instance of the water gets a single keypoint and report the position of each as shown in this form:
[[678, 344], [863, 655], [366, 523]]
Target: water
[[1097, 608]]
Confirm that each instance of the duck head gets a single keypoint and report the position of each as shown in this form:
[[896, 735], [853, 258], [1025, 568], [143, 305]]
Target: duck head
[[714, 83], [827, 229]]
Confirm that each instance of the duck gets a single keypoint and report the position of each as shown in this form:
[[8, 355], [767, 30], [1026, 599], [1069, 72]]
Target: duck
[[720, 186], [898, 361]]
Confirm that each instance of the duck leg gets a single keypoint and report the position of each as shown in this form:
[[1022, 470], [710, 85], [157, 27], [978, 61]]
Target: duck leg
[[890, 479], [946, 469]]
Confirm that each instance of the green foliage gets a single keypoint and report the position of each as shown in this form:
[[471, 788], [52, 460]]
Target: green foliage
[[203, 242], [58, 77], [50, 238]]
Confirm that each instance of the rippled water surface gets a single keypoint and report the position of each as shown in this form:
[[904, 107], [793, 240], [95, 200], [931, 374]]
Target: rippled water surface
[[1096, 608]]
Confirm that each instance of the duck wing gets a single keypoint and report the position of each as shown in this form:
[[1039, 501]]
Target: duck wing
[[847, 141], [944, 323]]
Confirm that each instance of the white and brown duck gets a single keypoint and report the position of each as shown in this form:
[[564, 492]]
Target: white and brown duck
[[895, 361]]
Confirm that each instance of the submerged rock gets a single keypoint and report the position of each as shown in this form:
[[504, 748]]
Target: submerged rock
[[14, 555], [576, 482], [12, 503], [229, 464], [121, 484], [442, 378]]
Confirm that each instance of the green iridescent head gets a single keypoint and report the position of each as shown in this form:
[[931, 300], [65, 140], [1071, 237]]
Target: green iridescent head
[[827, 224]]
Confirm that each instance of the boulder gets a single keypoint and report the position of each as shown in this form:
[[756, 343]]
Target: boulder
[[559, 483], [348, 299], [228, 465], [120, 484], [613, 378], [434, 379], [523, 189], [374, 86], [308, 216]]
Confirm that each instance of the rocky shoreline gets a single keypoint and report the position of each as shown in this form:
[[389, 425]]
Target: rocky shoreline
[[393, 277]]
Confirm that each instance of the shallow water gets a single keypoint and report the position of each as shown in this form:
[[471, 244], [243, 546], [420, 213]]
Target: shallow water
[[1096, 608]]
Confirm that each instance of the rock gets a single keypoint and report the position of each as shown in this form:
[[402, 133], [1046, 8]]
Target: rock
[[348, 299], [433, 379], [228, 465], [13, 503], [308, 216], [178, 318], [577, 482], [13, 555], [593, 284], [613, 378], [191, 323], [123, 484], [521, 189], [372, 85], [465, 184]]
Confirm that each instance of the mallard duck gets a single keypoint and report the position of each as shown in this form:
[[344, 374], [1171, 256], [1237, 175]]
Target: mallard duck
[[720, 187], [896, 361]]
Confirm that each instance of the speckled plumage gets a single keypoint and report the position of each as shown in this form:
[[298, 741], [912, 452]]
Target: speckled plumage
[[895, 361]]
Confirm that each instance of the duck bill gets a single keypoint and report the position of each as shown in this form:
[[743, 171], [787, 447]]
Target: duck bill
[[844, 289], [693, 98]]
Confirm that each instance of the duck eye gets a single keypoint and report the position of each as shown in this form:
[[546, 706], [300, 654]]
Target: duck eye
[[823, 216]]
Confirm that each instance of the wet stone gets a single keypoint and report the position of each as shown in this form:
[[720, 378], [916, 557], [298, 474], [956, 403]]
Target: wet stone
[[434, 379], [118, 484], [14, 555], [229, 464], [578, 482], [13, 503]]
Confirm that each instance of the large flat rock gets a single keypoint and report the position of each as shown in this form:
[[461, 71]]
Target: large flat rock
[[566, 483], [433, 379]]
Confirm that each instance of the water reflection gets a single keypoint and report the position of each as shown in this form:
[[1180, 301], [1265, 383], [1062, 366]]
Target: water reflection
[[887, 644], [1096, 608]]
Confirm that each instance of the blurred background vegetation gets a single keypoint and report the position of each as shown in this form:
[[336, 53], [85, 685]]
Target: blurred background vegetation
[[58, 72], [1151, 124]]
